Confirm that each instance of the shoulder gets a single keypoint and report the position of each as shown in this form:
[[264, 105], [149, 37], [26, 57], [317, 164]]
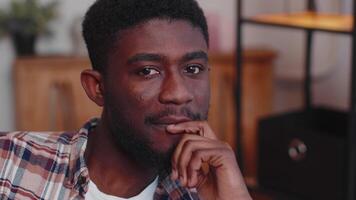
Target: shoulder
[[48, 143], [41, 138], [32, 161]]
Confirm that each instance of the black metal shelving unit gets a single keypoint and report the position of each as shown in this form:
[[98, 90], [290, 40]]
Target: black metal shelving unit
[[348, 118]]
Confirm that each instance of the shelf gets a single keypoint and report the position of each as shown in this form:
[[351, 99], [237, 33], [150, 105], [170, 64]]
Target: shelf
[[322, 134], [306, 20]]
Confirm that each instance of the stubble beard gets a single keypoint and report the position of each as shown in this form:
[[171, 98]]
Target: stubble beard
[[139, 146]]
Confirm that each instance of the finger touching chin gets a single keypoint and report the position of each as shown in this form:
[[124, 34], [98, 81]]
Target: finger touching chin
[[201, 128], [179, 129]]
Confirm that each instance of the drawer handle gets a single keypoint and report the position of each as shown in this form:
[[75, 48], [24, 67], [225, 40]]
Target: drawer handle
[[297, 150]]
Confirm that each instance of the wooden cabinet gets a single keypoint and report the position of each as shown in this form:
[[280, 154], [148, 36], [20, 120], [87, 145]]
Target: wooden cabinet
[[49, 95]]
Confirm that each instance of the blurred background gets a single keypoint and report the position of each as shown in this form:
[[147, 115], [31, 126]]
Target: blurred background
[[40, 90]]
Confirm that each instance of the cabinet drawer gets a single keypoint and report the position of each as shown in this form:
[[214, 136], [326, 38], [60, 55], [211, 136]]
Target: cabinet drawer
[[304, 154]]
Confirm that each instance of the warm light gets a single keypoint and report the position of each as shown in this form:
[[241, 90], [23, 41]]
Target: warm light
[[332, 22]]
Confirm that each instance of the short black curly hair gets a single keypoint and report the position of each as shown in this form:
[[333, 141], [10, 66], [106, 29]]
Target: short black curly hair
[[106, 18]]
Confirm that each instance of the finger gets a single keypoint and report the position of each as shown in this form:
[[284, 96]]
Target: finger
[[182, 158], [174, 174], [214, 157], [198, 161], [180, 145], [195, 173], [175, 129], [201, 128], [191, 138], [178, 151]]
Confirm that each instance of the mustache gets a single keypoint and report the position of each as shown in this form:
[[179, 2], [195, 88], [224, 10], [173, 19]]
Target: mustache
[[169, 111]]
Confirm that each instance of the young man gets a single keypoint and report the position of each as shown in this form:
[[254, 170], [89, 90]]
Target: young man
[[151, 76]]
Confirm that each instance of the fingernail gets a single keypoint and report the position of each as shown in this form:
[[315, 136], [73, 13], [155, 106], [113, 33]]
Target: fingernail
[[189, 182], [181, 180], [171, 126], [185, 181], [174, 174]]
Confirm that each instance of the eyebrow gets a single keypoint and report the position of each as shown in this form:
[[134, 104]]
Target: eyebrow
[[157, 57], [195, 55], [145, 57]]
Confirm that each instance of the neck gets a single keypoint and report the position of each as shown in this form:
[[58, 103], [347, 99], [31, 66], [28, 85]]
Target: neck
[[113, 171]]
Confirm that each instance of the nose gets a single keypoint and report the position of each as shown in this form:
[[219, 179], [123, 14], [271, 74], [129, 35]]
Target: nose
[[174, 90]]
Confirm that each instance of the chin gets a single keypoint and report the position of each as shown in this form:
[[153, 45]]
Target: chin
[[164, 142]]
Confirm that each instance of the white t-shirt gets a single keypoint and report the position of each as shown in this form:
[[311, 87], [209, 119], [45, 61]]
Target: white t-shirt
[[95, 194]]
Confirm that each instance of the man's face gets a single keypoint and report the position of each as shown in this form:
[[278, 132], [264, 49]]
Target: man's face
[[157, 75]]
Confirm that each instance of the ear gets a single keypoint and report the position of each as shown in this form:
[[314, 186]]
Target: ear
[[93, 86]]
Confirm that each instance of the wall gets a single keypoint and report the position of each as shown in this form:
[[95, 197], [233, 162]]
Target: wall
[[59, 43], [330, 68]]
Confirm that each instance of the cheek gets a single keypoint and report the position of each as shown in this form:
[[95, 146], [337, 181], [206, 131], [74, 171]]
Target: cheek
[[140, 96], [202, 94]]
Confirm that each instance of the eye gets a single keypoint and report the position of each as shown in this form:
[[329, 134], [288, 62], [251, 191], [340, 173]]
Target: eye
[[193, 69], [148, 71]]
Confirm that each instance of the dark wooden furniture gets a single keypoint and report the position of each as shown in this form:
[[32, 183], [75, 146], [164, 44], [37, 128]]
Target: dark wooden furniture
[[49, 95], [295, 146]]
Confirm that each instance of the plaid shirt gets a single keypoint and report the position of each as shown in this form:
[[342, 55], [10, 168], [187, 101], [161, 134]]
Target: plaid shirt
[[51, 165]]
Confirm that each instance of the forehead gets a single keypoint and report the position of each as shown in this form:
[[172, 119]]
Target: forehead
[[160, 36]]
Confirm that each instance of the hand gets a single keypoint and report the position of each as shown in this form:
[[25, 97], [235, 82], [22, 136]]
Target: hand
[[203, 162]]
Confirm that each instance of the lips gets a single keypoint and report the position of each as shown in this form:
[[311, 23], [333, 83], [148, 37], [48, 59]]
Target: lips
[[167, 120]]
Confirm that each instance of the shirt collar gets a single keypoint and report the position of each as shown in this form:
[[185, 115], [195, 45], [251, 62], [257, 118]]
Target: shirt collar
[[174, 190], [78, 176]]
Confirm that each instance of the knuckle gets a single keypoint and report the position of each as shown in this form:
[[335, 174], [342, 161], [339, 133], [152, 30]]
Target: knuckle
[[185, 137], [173, 162], [191, 166], [189, 144], [227, 145], [197, 154], [194, 164], [201, 124], [182, 166]]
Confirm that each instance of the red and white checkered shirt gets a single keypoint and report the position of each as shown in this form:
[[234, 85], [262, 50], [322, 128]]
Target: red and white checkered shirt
[[51, 166]]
